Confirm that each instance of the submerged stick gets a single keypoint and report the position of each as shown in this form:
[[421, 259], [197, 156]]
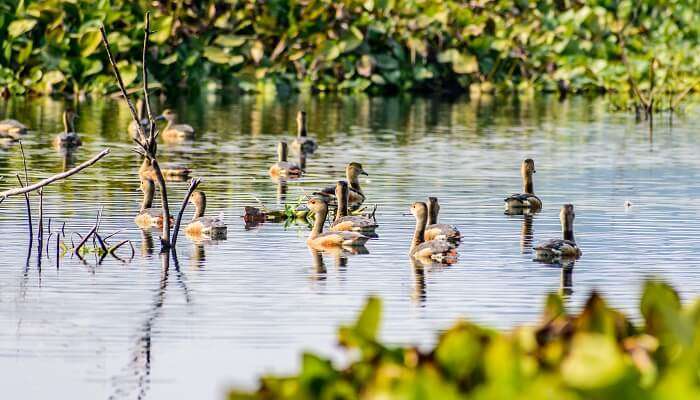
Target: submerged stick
[[193, 186], [54, 178], [29, 211], [40, 236]]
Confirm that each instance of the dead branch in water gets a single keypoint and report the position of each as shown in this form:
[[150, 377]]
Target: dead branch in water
[[193, 186], [147, 143], [54, 178]]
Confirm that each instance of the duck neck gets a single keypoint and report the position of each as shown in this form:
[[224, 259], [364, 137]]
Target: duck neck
[[342, 198], [419, 232], [432, 214], [354, 181], [200, 204], [148, 193], [301, 127], [282, 153], [318, 223], [67, 125], [527, 184], [567, 227]]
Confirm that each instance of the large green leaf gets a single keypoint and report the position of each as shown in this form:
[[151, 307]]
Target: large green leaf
[[20, 27]]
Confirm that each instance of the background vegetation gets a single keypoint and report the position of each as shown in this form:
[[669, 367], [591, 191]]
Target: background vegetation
[[597, 354], [53, 46]]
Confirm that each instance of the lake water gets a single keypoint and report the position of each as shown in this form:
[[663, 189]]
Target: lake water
[[227, 312]]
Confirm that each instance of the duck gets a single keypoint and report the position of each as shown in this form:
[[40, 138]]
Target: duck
[[355, 195], [171, 172], [69, 139], [143, 119], [211, 227], [302, 143], [320, 240], [175, 132], [439, 250], [561, 248], [345, 222], [433, 230], [11, 128], [527, 200], [148, 216], [284, 168]]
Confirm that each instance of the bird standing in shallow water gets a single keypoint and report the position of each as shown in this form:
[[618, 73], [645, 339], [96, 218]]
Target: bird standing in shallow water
[[526, 201], [302, 143], [560, 248], [69, 139]]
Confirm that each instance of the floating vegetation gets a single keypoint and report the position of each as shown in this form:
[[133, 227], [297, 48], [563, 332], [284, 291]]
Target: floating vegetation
[[597, 354]]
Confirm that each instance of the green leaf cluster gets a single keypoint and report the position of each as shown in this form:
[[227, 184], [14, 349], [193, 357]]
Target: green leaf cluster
[[53, 46], [595, 354]]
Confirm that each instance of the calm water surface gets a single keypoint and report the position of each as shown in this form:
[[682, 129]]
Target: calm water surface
[[224, 313]]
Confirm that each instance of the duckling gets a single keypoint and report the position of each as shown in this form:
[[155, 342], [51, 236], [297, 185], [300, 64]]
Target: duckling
[[69, 139], [283, 167], [355, 195], [439, 231], [148, 216], [302, 143], [526, 200], [11, 128], [342, 221], [319, 240], [211, 227], [175, 132], [561, 248], [439, 250]]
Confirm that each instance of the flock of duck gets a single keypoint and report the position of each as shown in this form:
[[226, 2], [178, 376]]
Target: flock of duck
[[431, 242]]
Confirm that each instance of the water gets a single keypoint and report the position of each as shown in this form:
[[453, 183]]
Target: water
[[230, 311]]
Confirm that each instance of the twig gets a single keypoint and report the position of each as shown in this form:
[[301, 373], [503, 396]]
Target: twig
[[58, 249], [40, 236], [29, 210], [54, 178], [193, 186], [82, 242]]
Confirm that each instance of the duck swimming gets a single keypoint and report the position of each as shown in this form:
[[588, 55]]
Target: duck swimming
[[320, 240], [344, 222], [69, 139], [148, 216], [175, 132], [355, 195], [439, 250], [171, 172], [302, 143], [434, 230], [527, 200], [284, 168], [11, 128], [561, 248], [211, 227]]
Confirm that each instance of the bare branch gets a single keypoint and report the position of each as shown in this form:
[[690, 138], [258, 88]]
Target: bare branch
[[193, 186], [54, 178]]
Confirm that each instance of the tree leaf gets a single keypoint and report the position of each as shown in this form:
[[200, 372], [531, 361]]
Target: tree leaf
[[20, 27]]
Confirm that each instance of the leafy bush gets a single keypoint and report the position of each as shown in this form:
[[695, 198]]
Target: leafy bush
[[597, 354], [354, 45]]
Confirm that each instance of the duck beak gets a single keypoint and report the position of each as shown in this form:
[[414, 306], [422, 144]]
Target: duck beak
[[161, 117], [406, 214], [364, 173]]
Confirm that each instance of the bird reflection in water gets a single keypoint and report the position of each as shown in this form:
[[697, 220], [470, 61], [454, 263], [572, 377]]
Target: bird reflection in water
[[340, 255], [419, 293], [146, 242], [566, 285], [134, 381], [198, 258], [282, 191]]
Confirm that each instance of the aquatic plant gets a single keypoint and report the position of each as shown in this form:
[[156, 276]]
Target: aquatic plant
[[51, 46], [596, 354]]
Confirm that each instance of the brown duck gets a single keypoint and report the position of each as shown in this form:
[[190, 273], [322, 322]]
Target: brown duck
[[439, 250], [320, 240], [527, 200], [439, 231], [302, 143], [561, 248], [345, 222], [148, 216]]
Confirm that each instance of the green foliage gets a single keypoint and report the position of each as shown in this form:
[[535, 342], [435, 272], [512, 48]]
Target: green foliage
[[597, 354], [357, 45]]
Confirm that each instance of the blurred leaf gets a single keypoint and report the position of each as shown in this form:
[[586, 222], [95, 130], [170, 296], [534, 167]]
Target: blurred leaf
[[20, 27]]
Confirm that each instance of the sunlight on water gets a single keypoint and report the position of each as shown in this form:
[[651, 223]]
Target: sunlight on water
[[226, 312]]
